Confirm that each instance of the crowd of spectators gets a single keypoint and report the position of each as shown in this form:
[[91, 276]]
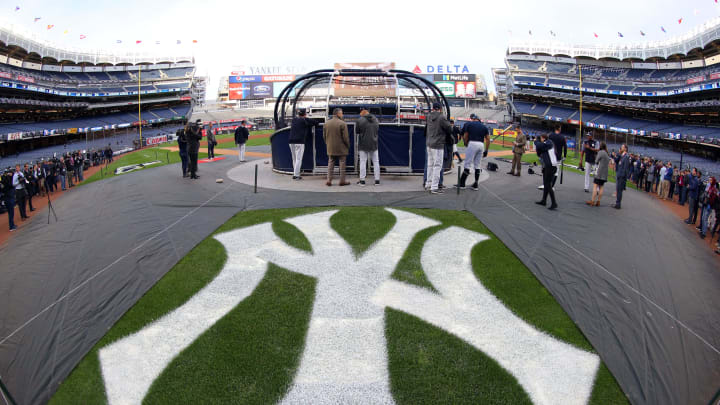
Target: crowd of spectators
[[19, 185], [683, 186]]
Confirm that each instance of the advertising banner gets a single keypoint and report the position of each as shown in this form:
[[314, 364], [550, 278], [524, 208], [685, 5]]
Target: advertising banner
[[6, 75], [447, 88], [25, 79], [507, 134], [278, 87], [278, 78], [15, 136], [261, 89], [72, 130], [156, 140], [465, 89], [454, 78], [714, 76], [239, 91], [244, 79], [364, 86], [697, 79]]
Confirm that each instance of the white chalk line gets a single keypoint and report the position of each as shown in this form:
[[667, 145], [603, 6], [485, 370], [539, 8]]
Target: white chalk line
[[76, 288], [623, 282]]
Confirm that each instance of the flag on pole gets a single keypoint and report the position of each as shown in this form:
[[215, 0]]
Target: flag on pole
[[17, 8], [37, 19], [194, 41], [552, 33], [642, 33], [680, 21], [529, 32], [118, 42], [663, 29], [179, 42], [157, 42], [82, 36], [50, 26], [137, 42], [596, 35], [621, 35], [65, 32]]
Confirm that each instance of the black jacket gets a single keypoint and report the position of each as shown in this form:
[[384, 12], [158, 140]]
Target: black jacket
[[560, 145], [543, 151], [193, 136], [241, 135], [181, 140], [299, 130]]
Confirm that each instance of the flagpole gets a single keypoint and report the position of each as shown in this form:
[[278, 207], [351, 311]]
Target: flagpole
[[139, 112], [578, 137]]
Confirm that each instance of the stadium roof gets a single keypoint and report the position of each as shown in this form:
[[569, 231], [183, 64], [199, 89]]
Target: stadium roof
[[703, 39], [27, 47]]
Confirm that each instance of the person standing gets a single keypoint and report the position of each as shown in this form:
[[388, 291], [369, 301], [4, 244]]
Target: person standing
[[367, 127], [673, 183], [193, 136], [693, 191], [30, 185], [436, 128], [69, 170], [622, 172], [544, 148], [337, 141], [683, 182], [241, 136], [518, 151], [19, 183], [211, 141], [8, 194], [662, 190], [299, 130], [590, 149], [602, 161], [182, 151], [708, 202], [560, 145], [456, 135], [477, 139], [60, 170]]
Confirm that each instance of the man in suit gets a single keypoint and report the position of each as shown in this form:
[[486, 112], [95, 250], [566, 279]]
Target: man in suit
[[518, 151], [193, 137], [622, 173], [337, 141], [544, 146]]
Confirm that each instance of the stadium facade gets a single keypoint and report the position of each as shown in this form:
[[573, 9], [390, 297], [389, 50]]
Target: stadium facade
[[657, 90], [47, 91], [257, 86]]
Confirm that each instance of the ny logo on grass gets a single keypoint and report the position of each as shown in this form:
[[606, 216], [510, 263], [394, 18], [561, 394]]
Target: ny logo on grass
[[345, 357]]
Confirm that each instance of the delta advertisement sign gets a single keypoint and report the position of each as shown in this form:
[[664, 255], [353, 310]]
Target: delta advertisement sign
[[441, 69]]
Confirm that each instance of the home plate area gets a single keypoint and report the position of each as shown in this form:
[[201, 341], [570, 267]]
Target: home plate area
[[345, 306]]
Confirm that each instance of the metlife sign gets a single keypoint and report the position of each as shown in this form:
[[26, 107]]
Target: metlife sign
[[441, 69], [454, 78]]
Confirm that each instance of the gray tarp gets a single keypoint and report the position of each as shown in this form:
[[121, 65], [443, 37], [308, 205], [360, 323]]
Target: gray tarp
[[636, 281]]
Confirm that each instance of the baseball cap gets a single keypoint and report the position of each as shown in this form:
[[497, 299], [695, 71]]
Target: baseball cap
[[473, 117], [436, 106]]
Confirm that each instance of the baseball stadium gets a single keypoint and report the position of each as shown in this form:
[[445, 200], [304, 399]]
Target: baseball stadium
[[183, 223]]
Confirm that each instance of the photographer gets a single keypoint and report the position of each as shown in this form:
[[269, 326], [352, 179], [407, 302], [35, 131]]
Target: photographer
[[193, 136], [8, 195], [31, 185], [20, 184]]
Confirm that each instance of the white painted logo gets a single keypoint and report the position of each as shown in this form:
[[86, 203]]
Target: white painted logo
[[345, 357]]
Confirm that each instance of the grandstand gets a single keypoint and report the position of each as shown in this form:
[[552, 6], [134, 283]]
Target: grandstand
[[660, 94], [47, 92]]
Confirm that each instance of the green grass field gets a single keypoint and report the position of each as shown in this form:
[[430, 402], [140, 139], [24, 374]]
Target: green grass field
[[141, 156], [250, 355]]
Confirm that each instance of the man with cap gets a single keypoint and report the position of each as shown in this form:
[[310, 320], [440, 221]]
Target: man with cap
[[299, 130], [367, 127], [337, 141], [193, 137], [436, 129], [590, 150], [241, 136]]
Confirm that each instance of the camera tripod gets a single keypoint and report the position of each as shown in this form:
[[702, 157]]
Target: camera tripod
[[50, 206]]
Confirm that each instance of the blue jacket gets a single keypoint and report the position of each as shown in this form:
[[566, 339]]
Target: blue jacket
[[693, 187], [300, 128], [623, 167], [668, 174]]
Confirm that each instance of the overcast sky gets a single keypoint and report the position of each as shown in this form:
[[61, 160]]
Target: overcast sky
[[315, 34]]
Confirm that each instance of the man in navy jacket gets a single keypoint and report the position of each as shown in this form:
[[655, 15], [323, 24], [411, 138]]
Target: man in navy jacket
[[622, 172], [693, 189]]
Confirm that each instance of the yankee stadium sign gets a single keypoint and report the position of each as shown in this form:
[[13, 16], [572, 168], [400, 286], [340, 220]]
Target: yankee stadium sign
[[345, 358]]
